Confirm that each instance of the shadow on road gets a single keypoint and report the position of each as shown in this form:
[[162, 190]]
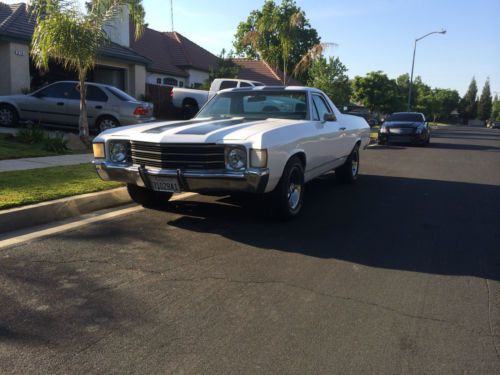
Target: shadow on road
[[436, 227], [467, 147]]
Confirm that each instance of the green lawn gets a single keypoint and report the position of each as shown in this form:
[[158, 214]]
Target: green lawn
[[31, 186], [11, 149]]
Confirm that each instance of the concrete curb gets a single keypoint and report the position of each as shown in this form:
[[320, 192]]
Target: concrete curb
[[46, 212]]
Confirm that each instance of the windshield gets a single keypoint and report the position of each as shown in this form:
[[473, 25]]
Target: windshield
[[263, 104], [410, 117]]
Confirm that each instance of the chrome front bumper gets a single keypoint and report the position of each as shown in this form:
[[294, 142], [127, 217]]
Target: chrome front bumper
[[253, 180]]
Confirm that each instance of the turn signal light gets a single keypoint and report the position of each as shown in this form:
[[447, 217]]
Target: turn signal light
[[140, 111]]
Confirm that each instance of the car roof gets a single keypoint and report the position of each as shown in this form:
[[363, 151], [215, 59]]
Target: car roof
[[408, 113], [87, 83], [272, 88]]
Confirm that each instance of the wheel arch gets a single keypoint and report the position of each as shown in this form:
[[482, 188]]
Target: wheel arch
[[12, 105], [104, 115]]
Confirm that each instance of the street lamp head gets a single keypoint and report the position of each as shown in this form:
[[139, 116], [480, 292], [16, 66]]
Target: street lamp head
[[443, 31]]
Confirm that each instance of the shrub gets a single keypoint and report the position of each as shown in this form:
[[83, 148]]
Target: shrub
[[34, 134], [56, 144], [31, 134]]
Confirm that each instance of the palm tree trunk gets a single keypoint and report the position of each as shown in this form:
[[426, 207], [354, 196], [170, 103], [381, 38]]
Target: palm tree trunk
[[83, 124]]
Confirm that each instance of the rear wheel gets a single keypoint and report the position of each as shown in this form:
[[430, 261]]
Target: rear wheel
[[8, 116], [147, 197], [348, 173], [288, 197], [189, 108], [106, 122]]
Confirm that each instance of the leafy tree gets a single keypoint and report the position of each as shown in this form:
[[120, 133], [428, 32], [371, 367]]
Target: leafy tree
[[279, 34], [439, 103], [495, 110], [376, 92], [330, 77], [484, 105], [468, 104], [226, 68], [73, 37]]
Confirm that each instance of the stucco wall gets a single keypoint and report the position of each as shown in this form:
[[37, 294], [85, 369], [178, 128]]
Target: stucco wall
[[138, 75], [196, 76], [15, 71], [152, 78], [118, 28], [19, 67]]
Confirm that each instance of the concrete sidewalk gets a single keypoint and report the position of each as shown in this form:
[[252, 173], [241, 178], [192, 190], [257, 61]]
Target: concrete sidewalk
[[43, 162]]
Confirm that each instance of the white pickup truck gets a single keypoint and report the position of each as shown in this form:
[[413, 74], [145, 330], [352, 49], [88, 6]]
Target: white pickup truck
[[261, 140], [191, 100]]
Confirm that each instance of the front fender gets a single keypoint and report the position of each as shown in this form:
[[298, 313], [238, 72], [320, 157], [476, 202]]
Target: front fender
[[277, 159]]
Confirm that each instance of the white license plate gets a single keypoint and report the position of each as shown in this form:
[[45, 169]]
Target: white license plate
[[397, 131], [170, 184]]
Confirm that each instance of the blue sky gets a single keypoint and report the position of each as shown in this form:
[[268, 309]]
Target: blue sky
[[371, 34]]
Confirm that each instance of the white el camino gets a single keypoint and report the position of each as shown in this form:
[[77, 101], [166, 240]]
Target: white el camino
[[264, 140]]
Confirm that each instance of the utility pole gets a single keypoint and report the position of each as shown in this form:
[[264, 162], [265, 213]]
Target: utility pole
[[172, 14]]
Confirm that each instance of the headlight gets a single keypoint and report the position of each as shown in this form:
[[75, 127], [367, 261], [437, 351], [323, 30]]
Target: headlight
[[118, 152], [420, 129], [382, 129], [98, 149], [236, 158], [258, 158]]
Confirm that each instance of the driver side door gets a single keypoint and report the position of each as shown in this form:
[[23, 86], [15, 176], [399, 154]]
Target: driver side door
[[52, 101]]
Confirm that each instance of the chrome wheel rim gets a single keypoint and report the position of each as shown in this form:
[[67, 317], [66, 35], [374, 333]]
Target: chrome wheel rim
[[355, 163], [6, 116], [107, 124], [294, 192]]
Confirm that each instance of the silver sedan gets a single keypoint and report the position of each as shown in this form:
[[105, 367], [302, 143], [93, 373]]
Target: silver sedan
[[59, 104]]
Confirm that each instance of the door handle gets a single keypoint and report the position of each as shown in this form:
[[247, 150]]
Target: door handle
[[98, 107], [60, 103], [343, 128]]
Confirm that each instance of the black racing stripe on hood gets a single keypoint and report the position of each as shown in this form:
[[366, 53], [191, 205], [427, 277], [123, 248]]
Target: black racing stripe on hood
[[213, 126], [162, 128]]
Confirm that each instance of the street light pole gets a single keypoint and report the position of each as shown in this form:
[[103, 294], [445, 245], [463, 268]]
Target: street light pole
[[413, 63]]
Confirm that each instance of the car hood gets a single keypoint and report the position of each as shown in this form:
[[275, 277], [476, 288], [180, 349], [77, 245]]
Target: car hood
[[202, 130], [402, 124]]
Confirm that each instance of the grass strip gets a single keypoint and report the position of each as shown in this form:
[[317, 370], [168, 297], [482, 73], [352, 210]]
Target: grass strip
[[19, 188], [11, 149]]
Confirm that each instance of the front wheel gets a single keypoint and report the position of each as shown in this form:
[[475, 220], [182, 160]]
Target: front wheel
[[348, 173], [289, 194], [147, 197], [8, 116]]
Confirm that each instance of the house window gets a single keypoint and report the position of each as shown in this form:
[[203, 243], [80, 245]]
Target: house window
[[170, 81], [158, 81]]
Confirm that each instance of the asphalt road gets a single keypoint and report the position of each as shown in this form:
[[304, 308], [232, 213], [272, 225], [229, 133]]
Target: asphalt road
[[399, 274]]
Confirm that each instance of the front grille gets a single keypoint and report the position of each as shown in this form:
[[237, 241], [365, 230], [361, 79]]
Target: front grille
[[178, 155]]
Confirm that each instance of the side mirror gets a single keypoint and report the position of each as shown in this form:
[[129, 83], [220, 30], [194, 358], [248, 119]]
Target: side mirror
[[329, 117]]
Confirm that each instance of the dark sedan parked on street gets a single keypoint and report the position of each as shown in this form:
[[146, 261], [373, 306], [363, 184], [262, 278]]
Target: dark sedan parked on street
[[59, 104], [405, 127]]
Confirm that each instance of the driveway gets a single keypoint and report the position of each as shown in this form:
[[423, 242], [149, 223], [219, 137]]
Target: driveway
[[399, 274]]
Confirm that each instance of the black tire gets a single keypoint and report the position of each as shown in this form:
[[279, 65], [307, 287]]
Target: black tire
[[147, 197], [8, 116], [287, 204], [348, 172], [105, 123], [189, 109]]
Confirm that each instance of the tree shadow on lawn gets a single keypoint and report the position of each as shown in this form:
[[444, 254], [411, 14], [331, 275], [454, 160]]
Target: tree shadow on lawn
[[429, 226]]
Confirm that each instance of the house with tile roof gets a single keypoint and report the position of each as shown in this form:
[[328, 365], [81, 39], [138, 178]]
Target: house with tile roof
[[118, 64], [177, 61]]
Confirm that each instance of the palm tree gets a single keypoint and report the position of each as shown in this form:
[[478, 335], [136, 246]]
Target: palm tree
[[73, 37]]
